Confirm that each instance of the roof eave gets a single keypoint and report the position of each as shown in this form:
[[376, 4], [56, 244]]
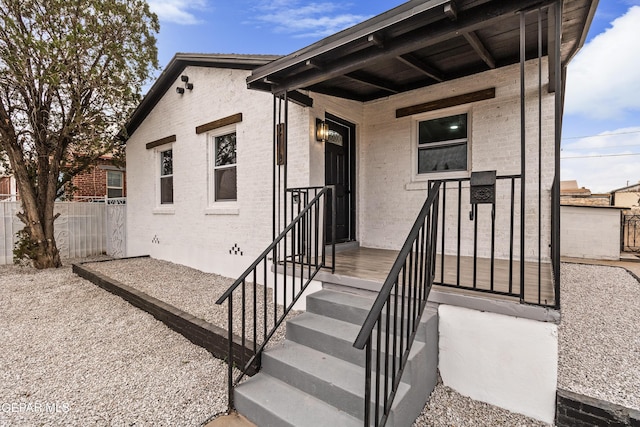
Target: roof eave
[[177, 64], [346, 36]]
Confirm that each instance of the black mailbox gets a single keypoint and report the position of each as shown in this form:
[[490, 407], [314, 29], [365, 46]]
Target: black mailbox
[[483, 187]]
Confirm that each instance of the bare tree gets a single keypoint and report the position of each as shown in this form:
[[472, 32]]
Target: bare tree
[[71, 71]]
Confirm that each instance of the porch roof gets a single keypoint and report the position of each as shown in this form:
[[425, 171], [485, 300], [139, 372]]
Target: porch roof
[[420, 43]]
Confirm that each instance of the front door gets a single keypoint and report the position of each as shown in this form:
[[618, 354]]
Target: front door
[[338, 171]]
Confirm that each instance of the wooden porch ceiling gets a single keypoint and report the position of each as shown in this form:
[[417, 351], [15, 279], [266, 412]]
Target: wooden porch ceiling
[[423, 42]]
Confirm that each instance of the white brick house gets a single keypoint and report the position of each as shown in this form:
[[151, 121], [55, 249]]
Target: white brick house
[[401, 109], [195, 229]]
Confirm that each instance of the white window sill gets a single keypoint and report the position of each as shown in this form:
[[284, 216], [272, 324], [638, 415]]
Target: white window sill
[[164, 210], [416, 185], [222, 210], [421, 182]]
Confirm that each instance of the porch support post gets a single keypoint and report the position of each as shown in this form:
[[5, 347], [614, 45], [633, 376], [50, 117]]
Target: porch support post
[[523, 156], [275, 165], [559, 98]]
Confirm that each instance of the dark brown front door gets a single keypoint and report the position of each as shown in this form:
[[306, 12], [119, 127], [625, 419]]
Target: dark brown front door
[[338, 160]]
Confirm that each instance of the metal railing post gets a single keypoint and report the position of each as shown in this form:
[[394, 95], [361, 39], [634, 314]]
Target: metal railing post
[[296, 231]]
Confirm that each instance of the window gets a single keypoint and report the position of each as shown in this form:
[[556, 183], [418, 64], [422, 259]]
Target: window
[[442, 144], [166, 177], [115, 185], [225, 186]]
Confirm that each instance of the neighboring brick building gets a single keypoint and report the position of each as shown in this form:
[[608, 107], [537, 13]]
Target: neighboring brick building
[[7, 188], [104, 179]]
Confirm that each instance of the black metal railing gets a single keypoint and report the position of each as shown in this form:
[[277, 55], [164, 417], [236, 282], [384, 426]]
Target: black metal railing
[[390, 327], [479, 245], [631, 233], [287, 266]]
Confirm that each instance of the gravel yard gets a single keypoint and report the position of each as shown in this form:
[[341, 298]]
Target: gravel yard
[[73, 354], [599, 335], [186, 288], [68, 343], [190, 290], [448, 408]]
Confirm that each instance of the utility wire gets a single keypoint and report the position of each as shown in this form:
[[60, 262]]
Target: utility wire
[[604, 148], [600, 155], [601, 136]]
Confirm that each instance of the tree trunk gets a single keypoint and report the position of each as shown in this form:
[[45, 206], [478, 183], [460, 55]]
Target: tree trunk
[[41, 246]]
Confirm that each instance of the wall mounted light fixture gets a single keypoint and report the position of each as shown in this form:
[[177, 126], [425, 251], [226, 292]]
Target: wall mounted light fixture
[[187, 85], [322, 130]]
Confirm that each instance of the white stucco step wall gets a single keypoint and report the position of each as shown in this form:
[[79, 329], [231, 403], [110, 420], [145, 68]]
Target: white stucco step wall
[[502, 360]]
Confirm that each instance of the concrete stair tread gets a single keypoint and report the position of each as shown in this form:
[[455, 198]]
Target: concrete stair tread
[[332, 370], [343, 298], [337, 328], [333, 380], [316, 376], [332, 336], [294, 407], [354, 308]]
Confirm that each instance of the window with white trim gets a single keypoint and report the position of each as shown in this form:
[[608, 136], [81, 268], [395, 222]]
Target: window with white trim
[[442, 144], [224, 163], [115, 184], [166, 177]]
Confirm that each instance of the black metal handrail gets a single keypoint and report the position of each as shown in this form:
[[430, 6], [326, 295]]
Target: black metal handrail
[[492, 234], [298, 253], [391, 325]]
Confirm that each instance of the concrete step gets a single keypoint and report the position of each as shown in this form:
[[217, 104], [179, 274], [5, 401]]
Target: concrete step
[[316, 376], [339, 383], [334, 337], [354, 308], [269, 402]]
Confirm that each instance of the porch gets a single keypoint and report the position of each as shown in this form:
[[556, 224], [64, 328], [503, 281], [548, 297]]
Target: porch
[[367, 268]]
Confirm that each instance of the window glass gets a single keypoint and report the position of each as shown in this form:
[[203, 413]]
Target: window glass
[[114, 179], [226, 150], [113, 193], [166, 162], [453, 157], [442, 144], [115, 185], [443, 129], [166, 177], [225, 178]]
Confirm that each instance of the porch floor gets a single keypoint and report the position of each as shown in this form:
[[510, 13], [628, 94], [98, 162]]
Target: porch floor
[[374, 265]]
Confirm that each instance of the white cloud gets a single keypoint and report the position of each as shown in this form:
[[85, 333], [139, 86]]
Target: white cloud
[[603, 79], [178, 11], [603, 162], [307, 20]]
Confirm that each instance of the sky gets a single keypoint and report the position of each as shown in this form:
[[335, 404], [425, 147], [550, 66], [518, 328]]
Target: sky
[[601, 128]]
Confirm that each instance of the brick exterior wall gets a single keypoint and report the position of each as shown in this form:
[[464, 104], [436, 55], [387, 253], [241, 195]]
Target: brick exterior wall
[[576, 410], [5, 185], [197, 232], [389, 194], [93, 182]]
